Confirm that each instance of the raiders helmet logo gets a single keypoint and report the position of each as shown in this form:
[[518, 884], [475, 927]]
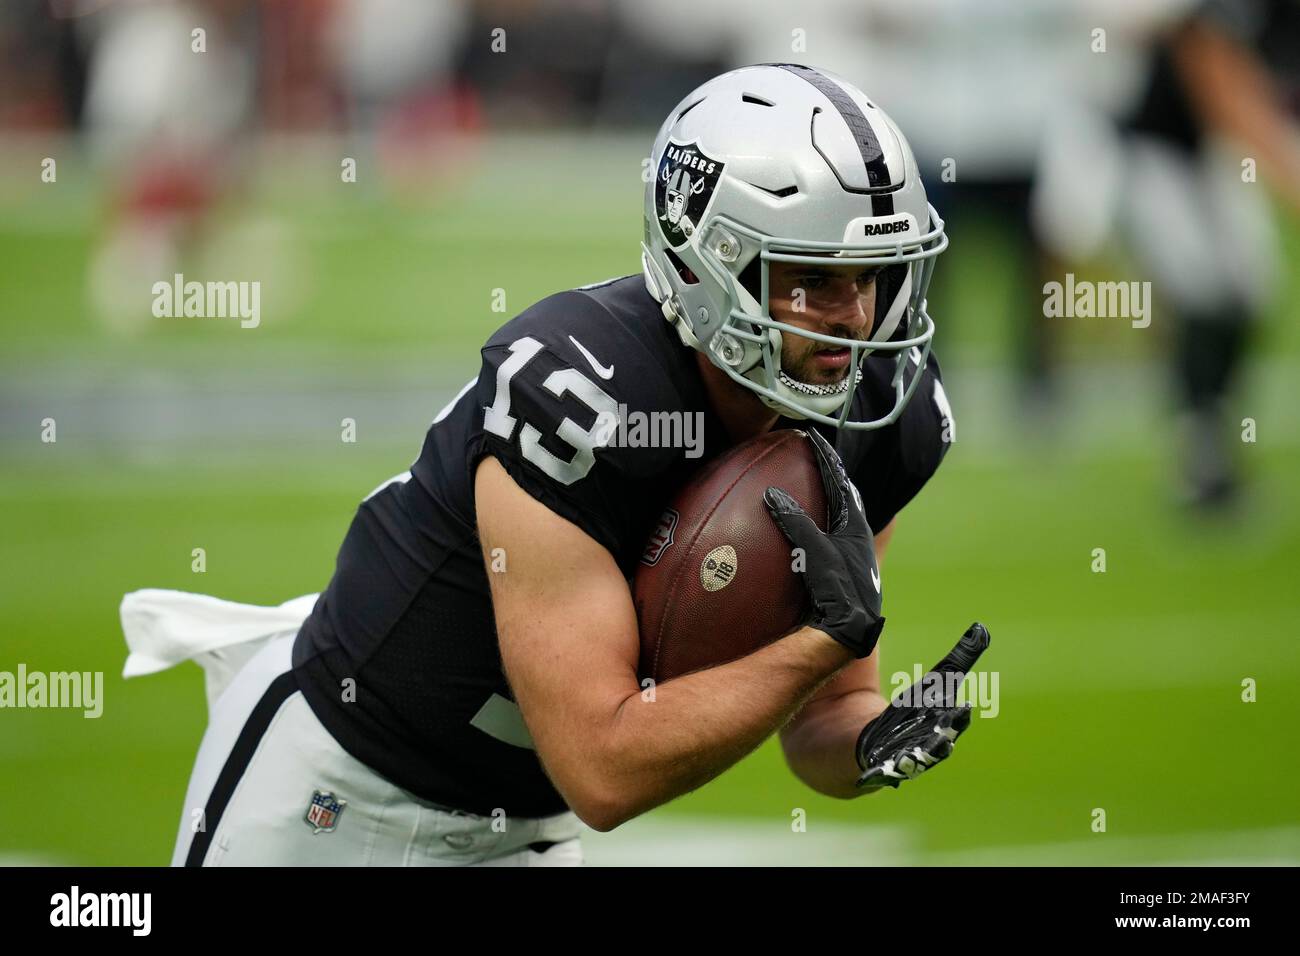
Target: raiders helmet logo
[[683, 187]]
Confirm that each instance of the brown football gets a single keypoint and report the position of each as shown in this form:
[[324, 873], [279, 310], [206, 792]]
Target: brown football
[[716, 580]]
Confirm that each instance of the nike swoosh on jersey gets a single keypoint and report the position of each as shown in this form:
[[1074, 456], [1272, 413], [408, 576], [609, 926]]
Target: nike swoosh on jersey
[[875, 579], [605, 373]]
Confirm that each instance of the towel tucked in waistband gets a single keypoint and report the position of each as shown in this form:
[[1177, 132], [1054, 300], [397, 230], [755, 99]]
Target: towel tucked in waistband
[[164, 628]]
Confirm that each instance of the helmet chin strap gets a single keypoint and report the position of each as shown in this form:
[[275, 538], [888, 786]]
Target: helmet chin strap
[[819, 399], [684, 330], [820, 391], [656, 283]]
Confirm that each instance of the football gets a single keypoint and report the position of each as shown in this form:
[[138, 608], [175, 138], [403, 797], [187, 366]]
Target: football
[[717, 578]]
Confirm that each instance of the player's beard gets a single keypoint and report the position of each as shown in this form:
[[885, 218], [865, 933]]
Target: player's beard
[[798, 362]]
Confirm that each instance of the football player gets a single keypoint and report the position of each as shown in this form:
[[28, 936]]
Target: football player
[[466, 689]]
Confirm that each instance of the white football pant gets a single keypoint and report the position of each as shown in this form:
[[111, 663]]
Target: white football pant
[[265, 757]]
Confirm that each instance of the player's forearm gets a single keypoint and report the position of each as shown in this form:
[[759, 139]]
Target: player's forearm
[[820, 747], [698, 725], [1236, 94]]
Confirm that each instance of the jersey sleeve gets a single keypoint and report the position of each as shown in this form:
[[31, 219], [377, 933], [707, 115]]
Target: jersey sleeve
[[555, 384], [910, 452]]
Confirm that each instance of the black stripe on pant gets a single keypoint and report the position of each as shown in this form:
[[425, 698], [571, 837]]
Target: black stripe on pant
[[280, 690]]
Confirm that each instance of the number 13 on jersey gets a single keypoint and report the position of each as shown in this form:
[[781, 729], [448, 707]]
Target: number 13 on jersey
[[566, 381]]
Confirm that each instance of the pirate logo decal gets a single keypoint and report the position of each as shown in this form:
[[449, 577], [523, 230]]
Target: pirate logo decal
[[683, 188]]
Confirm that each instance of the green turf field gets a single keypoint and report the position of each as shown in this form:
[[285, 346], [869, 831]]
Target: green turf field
[[1118, 690]]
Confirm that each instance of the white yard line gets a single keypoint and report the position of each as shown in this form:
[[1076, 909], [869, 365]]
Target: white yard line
[[703, 841], [1277, 846], [706, 841]]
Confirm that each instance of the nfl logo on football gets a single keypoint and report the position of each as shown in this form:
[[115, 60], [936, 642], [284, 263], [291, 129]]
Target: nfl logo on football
[[324, 811]]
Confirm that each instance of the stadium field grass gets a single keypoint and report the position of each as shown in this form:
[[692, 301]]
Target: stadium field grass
[[1119, 691]]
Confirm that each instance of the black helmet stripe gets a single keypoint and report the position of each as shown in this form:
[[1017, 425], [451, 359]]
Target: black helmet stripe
[[873, 157]]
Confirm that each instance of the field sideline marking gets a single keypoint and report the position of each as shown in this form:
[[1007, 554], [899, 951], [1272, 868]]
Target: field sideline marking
[[704, 841]]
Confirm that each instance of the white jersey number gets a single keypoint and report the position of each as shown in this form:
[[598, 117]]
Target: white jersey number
[[567, 381]]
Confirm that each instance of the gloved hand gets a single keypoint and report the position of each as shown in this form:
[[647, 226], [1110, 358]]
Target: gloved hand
[[840, 573], [919, 727]]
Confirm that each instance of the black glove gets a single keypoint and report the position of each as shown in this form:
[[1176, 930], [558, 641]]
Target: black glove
[[840, 573], [919, 727]]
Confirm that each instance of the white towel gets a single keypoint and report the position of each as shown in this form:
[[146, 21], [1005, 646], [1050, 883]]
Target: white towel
[[164, 628]]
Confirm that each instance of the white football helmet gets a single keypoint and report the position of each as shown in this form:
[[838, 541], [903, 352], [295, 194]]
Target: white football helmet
[[784, 163]]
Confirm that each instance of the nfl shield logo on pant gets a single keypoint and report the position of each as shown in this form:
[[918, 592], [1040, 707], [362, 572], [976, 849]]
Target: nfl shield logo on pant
[[324, 811]]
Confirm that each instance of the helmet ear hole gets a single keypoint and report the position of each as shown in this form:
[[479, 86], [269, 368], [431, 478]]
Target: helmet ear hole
[[751, 278], [683, 270]]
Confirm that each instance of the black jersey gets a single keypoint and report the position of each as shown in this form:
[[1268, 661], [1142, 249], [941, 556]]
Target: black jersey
[[399, 658]]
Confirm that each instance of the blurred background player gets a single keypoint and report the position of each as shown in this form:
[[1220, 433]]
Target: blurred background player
[[1167, 174]]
